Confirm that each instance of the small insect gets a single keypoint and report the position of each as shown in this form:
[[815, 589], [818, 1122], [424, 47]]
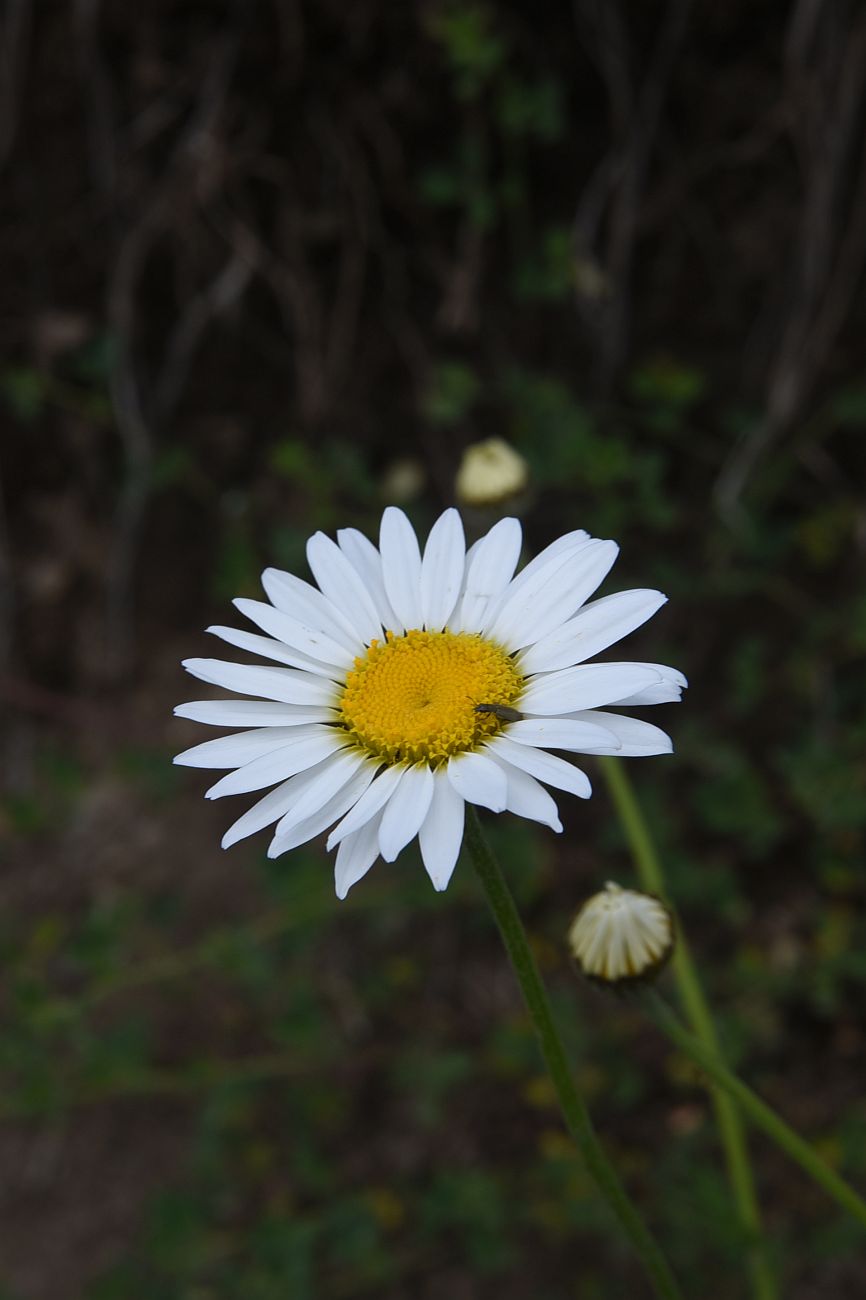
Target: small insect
[[502, 711]]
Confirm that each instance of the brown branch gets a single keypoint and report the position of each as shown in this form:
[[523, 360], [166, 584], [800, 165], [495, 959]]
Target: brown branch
[[14, 52], [101, 125], [189, 168], [826, 67], [617, 185], [7, 590], [217, 298]]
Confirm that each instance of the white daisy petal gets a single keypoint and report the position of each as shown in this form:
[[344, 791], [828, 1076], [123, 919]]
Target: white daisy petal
[[472, 551], [490, 565], [297, 635], [550, 598], [288, 797], [442, 570], [668, 690], [558, 733], [441, 834], [597, 626], [479, 780], [307, 604], [528, 587], [526, 798], [543, 766], [662, 693], [268, 810], [285, 685], [250, 713], [585, 687], [568, 542], [270, 649], [331, 777], [405, 811], [342, 584], [284, 762], [370, 803], [401, 566], [637, 739], [336, 806], [356, 855], [361, 553], [243, 747]]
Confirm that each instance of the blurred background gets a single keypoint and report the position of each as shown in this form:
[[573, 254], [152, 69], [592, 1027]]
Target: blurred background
[[266, 266]]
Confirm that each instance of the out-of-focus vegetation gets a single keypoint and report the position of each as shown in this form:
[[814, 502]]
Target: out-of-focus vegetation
[[254, 256]]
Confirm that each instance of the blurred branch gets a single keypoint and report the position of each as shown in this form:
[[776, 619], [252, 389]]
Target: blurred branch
[[15, 31], [7, 590], [352, 263], [613, 194], [101, 127], [133, 429], [29, 697], [203, 308], [826, 73], [138, 416]]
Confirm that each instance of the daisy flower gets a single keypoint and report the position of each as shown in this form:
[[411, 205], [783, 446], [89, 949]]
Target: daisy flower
[[408, 685]]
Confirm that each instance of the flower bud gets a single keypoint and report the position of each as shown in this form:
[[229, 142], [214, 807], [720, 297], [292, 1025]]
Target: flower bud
[[490, 473], [620, 936]]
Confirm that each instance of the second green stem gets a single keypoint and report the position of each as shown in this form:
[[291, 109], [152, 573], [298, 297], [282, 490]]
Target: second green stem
[[728, 1118]]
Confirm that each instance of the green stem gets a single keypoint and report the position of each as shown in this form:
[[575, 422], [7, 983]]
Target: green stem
[[573, 1108], [697, 1010], [762, 1115]]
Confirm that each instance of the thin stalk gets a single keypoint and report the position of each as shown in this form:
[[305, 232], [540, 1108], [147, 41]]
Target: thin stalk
[[572, 1104], [697, 1010], [761, 1115]]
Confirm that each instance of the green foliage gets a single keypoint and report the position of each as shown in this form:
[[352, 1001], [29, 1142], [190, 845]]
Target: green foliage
[[508, 111], [236, 564], [547, 275], [428, 1074], [531, 109], [734, 801], [666, 390], [848, 406], [471, 1204], [619, 480], [25, 392], [475, 51], [94, 362], [451, 396]]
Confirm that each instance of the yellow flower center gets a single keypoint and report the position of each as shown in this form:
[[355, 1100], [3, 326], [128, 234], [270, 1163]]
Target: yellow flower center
[[412, 698]]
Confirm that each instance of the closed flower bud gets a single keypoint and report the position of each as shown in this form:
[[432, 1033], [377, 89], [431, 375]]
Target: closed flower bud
[[490, 473], [620, 936]]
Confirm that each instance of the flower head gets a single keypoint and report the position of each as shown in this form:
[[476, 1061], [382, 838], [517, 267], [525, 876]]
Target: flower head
[[620, 936], [408, 685]]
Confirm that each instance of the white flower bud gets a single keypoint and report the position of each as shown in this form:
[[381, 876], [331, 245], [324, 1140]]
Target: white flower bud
[[490, 473], [620, 936]]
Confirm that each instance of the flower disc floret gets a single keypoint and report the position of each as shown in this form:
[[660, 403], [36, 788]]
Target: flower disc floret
[[412, 698]]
